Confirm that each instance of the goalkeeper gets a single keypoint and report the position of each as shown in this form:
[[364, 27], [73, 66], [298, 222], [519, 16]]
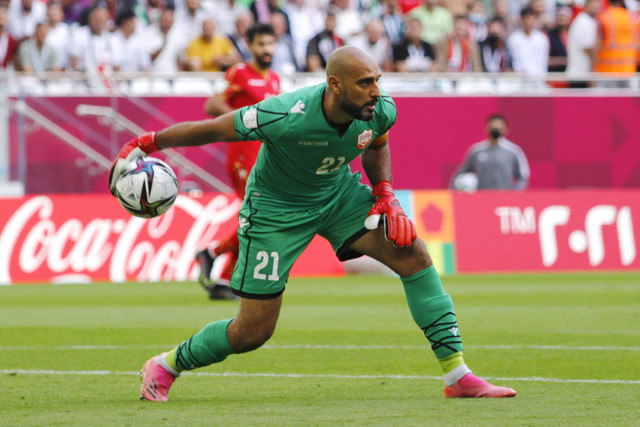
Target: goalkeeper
[[301, 186]]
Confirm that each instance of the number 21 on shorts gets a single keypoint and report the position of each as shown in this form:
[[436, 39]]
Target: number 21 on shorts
[[262, 270]]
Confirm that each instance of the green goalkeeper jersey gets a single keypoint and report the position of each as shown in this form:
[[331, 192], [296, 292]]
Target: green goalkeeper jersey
[[304, 159]]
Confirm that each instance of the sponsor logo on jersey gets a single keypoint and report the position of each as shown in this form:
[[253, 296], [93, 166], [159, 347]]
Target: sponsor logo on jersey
[[298, 108], [314, 143], [250, 118], [256, 82], [365, 138], [243, 222]]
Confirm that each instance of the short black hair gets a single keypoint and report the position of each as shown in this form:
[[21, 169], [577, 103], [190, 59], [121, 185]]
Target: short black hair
[[528, 10], [497, 116], [124, 15], [260, 28]]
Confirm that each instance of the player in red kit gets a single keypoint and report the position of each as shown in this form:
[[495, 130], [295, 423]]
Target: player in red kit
[[248, 83]]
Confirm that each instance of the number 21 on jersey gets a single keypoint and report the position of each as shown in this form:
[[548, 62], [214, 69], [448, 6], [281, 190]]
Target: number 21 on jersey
[[262, 270]]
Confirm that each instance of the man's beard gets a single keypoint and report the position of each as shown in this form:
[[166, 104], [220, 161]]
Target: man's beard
[[264, 61], [356, 111]]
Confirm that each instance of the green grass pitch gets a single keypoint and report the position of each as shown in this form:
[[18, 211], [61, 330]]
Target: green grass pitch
[[346, 352]]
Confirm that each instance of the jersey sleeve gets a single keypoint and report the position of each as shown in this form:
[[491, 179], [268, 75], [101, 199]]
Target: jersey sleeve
[[387, 118], [265, 121]]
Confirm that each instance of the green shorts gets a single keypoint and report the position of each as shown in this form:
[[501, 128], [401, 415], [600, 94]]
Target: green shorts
[[271, 241]]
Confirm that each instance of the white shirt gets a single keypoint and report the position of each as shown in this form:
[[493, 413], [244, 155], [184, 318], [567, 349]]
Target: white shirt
[[529, 54], [135, 55], [167, 60], [60, 38], [305, 24], [94, 52], [582, 35], [380, 50], [21, 25]]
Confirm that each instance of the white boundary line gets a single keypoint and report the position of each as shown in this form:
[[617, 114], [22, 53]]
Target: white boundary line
[[329, 347], [339, 376]]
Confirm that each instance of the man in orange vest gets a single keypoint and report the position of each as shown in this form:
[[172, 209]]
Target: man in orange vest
[[616, 44]]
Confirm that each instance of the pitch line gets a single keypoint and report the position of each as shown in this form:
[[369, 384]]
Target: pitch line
[[330, 347], [317, 376]]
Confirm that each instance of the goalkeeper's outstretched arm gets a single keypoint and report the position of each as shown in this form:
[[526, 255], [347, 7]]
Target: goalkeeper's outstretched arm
[[190, 134]]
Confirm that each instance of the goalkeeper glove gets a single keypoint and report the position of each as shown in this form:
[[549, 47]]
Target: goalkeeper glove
[[138, 147], [398, 228]]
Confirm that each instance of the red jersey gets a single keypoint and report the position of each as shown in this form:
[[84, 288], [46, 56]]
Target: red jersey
[[247, 86]]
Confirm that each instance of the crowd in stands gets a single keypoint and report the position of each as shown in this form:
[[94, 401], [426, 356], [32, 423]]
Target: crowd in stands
[[166, 36]]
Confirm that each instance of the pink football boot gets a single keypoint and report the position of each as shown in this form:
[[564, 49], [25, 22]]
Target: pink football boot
[[472, 386], [156, 381]]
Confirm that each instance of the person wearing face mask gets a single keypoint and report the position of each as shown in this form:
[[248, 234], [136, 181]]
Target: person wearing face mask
[[494, 54], [494, 163]]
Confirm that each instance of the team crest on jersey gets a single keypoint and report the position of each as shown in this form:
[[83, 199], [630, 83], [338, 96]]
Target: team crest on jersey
[[365, 138]]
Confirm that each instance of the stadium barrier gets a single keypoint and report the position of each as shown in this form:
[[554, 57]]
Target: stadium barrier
[[83, 238]]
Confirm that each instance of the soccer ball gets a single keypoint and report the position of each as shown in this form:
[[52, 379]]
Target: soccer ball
[[147, 188], [466, 182]]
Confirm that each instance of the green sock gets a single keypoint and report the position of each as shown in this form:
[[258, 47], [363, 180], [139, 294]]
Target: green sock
[[432, 310], [171, 359], [210, 345]]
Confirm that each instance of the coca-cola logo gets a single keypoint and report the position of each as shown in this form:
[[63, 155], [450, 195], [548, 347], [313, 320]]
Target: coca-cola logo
[[91, 245]]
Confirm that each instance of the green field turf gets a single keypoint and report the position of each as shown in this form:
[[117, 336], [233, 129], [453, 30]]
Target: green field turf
[[346, 352]]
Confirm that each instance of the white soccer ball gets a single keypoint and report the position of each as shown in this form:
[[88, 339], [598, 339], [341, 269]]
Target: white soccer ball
[[147, 188], [466, 182]]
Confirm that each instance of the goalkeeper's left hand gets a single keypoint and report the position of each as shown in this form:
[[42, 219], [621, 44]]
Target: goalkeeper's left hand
[[138, 147], [398, 228]]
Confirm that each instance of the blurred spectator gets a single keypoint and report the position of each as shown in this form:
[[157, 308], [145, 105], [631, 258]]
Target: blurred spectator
[[501, 11], [616, 48], [188, 19], [238, 38], [8, 45], [226, 13], [165, 44], [305, 23], [149, 11], [349, 22], [135, 56], [36, 55], [436, 21], [210, 51], [558, 36], [494, 54], [463, 51], [262, 10], [374, 41], [478, 21], [496, 163], [75, 9], [321, 46], [581, 41], [393, 20], [284, 58], [23, 17], [545, 11], [413, 54], [529, 47], [93, 48], [59, 35]]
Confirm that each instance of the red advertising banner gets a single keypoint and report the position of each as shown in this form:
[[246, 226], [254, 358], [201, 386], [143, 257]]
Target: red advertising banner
[[547, 231], [87, 238]]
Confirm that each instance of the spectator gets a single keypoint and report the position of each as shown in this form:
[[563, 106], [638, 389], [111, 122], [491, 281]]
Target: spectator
[[165, 44], [188, 20], [59, 35], [496, 162], [23, 17], [75, 10], [349, 22], [135, 56], [529, 47], [375, 43], [477, 21], [558, 36], [436, 21], [284, 58], [393, 20], [305, 23], [226, 13], [238, 38], [8, 45], [210, 51], [148, 12], [463, 51], [321, 46], [413, 54], [262, 10], [615, 50], [94, 49], [501, 11], [36, 55], [494, 55], [545, 13], [581, 41]]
